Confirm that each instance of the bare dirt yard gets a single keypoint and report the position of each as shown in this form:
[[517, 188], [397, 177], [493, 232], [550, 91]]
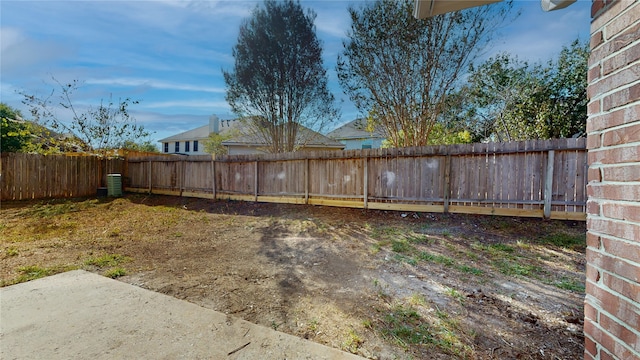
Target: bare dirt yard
[[384, 285]]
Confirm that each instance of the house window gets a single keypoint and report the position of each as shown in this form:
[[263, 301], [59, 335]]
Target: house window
[[166, 147], [177, 148], [195, 145], [186, 146], [366, 146]]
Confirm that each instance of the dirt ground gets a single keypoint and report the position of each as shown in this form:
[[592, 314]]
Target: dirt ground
[[384, 285]]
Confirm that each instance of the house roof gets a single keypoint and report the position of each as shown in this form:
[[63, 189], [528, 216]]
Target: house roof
[[201, 132], [313, 138], [355, 129]]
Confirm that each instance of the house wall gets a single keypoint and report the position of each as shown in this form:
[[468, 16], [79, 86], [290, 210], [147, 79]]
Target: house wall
[[182, 147], [612, 307], [356, 144]]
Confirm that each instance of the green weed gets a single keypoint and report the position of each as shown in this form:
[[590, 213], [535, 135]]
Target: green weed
[[12, 251], [571, 285], [107, 260], [33, 272], [438, 259], [401, 246], [405, 326], [455, 294], [511, 268], [563, 240], [471, 270], [353, 342], [115, 272]]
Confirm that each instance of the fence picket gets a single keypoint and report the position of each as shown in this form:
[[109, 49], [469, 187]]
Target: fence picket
[[494, 178]]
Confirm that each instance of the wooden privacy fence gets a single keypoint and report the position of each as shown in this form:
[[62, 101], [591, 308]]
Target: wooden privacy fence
[[538, 178], [32, 176]]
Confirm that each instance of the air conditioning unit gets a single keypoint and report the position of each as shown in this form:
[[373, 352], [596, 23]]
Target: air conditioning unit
[[114, 185]]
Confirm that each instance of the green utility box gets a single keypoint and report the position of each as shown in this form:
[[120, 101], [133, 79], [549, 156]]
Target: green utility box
[[114, 185]]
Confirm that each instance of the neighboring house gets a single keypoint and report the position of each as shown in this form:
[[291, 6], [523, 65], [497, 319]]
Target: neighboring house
[[191, 142], [354, 135]]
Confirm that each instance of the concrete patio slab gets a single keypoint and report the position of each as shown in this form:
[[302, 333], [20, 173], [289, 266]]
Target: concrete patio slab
[[81, 315]]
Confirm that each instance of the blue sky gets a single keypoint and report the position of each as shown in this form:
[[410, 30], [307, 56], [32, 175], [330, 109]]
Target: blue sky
[[169, 54]]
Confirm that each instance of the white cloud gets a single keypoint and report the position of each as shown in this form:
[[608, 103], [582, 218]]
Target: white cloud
[[22, 54], [152, 83], [192, 104]]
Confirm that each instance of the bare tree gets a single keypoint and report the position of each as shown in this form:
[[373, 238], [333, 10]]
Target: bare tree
[[100, 128], [399, 70]]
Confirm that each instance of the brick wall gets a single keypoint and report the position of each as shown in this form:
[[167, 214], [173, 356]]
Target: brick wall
[[612, 303]]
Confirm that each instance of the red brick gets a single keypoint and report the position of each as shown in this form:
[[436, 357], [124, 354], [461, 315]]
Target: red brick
[[615, 155], [624, 135], [613, 304], [596, 40], [622, 211], [623, 22], [626, 288], [593, 207], [624, 58], [628, 251], [618, 117], [598, 335], [594, 174], [590, 312], [615, 8], [594, 141], [604, 355], [627, 36], [590, 347], [594, 73], [621, 173], [593, 240], [614, 265], [608, 191], [592, 274], [588, 356], [623, 334], [593, 107], [621, 97], [613, 81], [596, 8]]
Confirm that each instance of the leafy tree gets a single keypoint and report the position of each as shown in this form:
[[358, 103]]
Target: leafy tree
[[278, 83], [145, 146], [213, 145], [99, 128], [15, 134], [400, 70], [508, 99]]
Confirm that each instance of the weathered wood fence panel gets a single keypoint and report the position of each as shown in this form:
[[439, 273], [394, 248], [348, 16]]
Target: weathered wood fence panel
[[32, 176], [528, 178]]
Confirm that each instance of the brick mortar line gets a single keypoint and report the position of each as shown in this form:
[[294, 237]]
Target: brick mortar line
[[613, 318], [617, 221], [597, 304], [617, 127], [618, 89], [612, 147], [616, 16], [605, 253], [618, 165]]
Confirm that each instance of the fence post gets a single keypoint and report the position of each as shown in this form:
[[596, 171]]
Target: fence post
[[213, 173], [447, 180], [548, 184], [306, 181], [366, 182], [150, 177], [255, 181], [182, 176]]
